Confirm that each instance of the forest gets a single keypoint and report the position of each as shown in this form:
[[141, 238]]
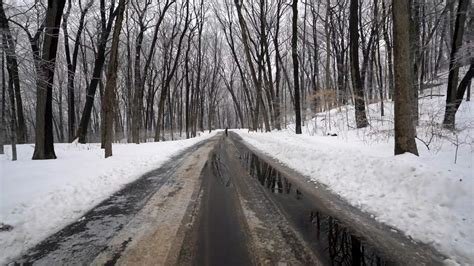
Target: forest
[[236, 132], [143, 70]]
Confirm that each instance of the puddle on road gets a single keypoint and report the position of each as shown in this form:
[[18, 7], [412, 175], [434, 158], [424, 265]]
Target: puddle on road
[[327, 236]]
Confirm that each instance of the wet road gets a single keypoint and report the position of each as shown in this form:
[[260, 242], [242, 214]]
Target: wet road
[[221, 203], [220, 231]]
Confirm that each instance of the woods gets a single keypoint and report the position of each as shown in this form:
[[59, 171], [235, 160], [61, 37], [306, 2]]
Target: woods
[[156, 132], [136, 71]]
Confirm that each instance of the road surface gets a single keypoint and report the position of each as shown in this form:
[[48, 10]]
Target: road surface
[[222, 203]]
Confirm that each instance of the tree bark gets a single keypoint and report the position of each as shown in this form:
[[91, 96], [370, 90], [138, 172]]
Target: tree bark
[[277, 105], [360, 116], [109, 94], [416, 49], [451, 94], [138, 94], [13, 135], [294, 55], [44, 140], [3, 129], [463, 86], [404, 126], [388, 45], [188, 88]]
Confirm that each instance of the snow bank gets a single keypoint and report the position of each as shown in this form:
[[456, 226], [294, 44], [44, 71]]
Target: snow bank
[[40, 197], [429, 197]]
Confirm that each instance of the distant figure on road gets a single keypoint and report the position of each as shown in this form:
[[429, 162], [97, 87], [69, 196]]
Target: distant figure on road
[[226, 134]]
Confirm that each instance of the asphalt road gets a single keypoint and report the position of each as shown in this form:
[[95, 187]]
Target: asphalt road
[[222, 203]]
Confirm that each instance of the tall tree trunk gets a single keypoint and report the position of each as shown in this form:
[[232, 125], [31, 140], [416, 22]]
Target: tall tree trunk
[[328, 49], [378, 60], [415, 48], [96, 73], [360, 116], [261, 69], [129, 82], [71, 61], [277, 67], [245, 40], [3, 129], [12, 68], [110, 87], [315, 66], [188, 87], [13, 135], [44, 140], [61, 119], [294, 54], [464, 86], [450, 112], [388, 46], [137, 103], [404, 126]]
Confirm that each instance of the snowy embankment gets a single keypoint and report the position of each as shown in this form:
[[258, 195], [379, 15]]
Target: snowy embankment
[[38, 198], [429, 198]]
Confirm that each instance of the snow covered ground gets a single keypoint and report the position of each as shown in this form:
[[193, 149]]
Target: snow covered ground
[[38, 198], [429, 198]]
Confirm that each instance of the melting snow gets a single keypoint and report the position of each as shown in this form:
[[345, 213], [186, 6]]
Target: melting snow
[[38, 198], [429, 198]]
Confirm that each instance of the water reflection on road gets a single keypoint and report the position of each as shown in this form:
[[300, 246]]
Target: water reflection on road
[[333, 240]]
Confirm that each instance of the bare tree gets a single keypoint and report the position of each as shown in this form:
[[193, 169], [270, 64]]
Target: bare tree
[[71, 61], [452, 92], [294, 54], [106, 27], [110, 87], [44, 140], [3, 129], [13, 129], [248, 56], [141, 79], [12, 68], [259, 69], [173, 65], [360, 116]]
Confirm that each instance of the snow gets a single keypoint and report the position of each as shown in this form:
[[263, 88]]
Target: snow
[[428, 198], [38, 198]]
